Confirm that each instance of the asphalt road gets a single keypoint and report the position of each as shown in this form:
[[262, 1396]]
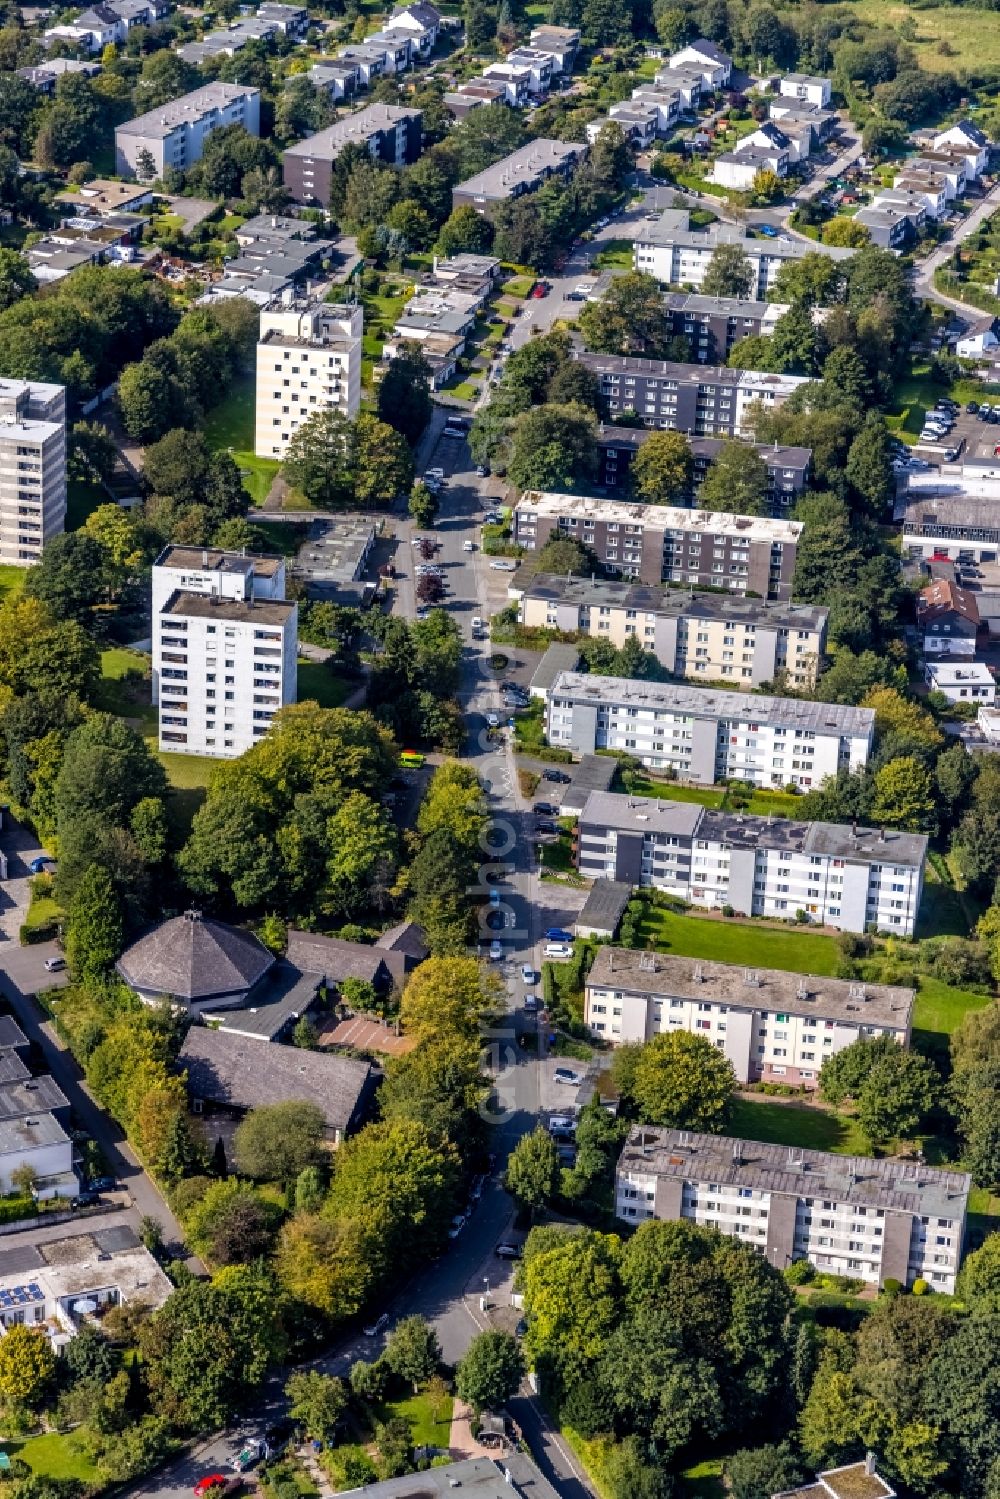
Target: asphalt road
[[923, 270], [448, 1292]]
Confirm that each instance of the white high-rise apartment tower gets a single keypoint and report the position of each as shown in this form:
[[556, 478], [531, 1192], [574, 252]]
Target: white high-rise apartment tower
[[32, 468], [308, 360], [224, 649]]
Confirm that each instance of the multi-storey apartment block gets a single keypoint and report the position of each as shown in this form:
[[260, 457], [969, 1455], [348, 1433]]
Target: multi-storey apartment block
[[390, 133], [308, 360], [772, 1025], [707, 735], [174, 134], [874, 1220], [787, 468], [224, 649], [711, 402], [854, 878], [520, 172], [662, 543], [700, 636], [32, 468], [712, 325], [678, 255]]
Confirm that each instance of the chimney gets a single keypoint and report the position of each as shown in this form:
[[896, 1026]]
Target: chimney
[[870, 1464]]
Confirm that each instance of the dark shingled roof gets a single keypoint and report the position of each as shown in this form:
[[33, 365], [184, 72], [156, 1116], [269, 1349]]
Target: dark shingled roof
[[241, 1073], [337, 960], [192, 957], [407, 938]]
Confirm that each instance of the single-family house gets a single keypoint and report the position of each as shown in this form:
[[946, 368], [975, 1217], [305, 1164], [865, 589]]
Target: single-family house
[[561, 42], [962, 681], [516, 81], [715, 66], [979, 339], [423, 21], [948, 620], [687, 81], [639, 122], [336, 77], [398, 46], [805, 87], [971, 142], [738, 169], [94, 29], [932, 187]]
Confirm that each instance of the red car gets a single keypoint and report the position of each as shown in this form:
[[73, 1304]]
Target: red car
[[209, 1483], [541, 290]]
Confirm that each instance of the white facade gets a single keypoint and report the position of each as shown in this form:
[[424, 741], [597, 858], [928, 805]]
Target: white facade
[[854, 879], [772, 1026], [32, 468], [38, 1141], [175, 134], [970, 141], [224, 649], [678, 255], [809, 90], [709, 736], [848, 1215], [308, 360], [77, 1279], [733, 170], [970, 682], [715, 67]]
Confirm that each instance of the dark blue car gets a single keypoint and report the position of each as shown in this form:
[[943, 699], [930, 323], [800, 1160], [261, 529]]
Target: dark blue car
[[556, 934]]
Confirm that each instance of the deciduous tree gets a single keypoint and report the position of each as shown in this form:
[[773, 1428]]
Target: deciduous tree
[[490, 1371], [277, 1141], [533, 1169], [662, 469], [683, 1082]]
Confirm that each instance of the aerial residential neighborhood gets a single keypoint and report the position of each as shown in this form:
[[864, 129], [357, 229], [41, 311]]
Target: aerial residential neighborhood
[[499, 780]]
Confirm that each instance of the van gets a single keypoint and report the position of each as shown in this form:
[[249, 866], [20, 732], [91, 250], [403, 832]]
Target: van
[[558, 950]]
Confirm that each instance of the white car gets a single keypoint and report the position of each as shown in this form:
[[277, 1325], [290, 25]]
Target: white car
[[527, 973], [558, 950], [477, 623], [468, 546], [457, 1224], [493, 720]]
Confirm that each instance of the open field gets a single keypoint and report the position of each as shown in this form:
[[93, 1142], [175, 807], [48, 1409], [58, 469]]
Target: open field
[[11, 580], [52, 1455], [972, 37], [728, 941]]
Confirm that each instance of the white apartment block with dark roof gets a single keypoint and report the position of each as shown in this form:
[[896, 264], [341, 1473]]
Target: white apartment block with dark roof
[[874, 1220], [224, 649], [773, 1026], [706, 735], [174, 134], [803, 86], [32, 468], [678, 255], [853, 878], [308, 360]]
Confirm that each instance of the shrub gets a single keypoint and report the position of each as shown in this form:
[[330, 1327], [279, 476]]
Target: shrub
[[920, 1287], [891, 1286], [800, 1273]]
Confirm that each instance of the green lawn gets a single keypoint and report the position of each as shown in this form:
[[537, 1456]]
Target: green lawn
[[188, 772], [518, 286], [704, 1480], [126, 699], [464, 391], [705, 796], [52, 1455], [727, 941], [417, 1410], [318, 683], [797, 1124], [11, 580], [81, 499], [939, 1008], [616, 253], [972, 36], [43, 914], [229, 426]]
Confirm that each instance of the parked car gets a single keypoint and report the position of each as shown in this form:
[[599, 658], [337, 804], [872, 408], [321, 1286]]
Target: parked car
[[527, 973], [457, 1224], [561, 1121], [41, 864], [214, 1484], [55, 965], [378, 1326], [543, 826], [507, 1251], [544, 809], [483, 470], [532, 1004], [493, 720], [101, 1184], [559, 776], [558, 934], [560, 951], [767, 230], [84, 1200], [250, 1454], [565, 1075]]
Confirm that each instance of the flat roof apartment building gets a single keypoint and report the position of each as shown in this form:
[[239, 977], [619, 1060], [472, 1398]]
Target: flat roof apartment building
[[174, 134], [698, 636], [875, 1220], [787, 468], [712, 325], [391, 134], [520, 172], [32, 468], [707, 735], [853, 878], [308, 360], [663, 543], [772, 1025], [224, 649], [707, 401], [678, 255]]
